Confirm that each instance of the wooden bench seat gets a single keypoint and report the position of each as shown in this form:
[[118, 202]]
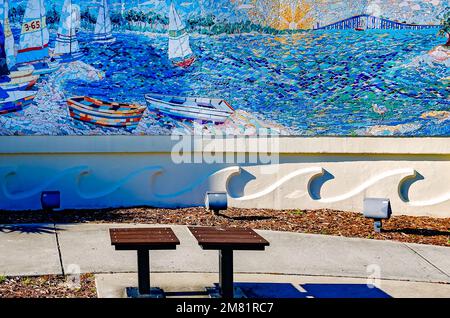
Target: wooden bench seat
[[144, 240], [226, 240]]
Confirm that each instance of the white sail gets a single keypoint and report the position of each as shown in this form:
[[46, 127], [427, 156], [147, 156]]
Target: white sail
[[103, 27], [179, 47], [66, 40], [175, 22], [34, 36], [9, 38]]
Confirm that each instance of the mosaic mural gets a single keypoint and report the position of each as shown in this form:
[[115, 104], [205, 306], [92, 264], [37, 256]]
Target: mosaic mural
[[294, 67]]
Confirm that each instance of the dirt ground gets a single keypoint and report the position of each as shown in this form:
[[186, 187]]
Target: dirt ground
[[423, 230], [48, 287]]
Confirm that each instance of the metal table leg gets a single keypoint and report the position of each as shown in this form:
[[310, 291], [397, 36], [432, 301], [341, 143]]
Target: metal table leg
[[226, 273], [144, 271]]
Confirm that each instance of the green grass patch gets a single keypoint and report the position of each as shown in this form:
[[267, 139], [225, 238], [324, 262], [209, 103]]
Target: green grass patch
[[26, 281], [298, 212], [2, 279]]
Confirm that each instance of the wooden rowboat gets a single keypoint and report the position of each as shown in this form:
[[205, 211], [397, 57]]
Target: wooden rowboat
[[108, 114], [15, 101], [192, 108]]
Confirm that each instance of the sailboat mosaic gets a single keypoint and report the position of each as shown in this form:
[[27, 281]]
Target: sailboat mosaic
[[235, 67]]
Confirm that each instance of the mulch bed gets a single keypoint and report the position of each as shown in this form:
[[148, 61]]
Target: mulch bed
[[47, 287], [423, 230]]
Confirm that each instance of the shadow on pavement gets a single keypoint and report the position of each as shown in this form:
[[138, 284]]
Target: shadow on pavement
[[29, 229], [421, 232], [286, 290], [343, 291], [270, 290]]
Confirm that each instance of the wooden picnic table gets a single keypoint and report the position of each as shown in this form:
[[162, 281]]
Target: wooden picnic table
[[227, 240], [144, 240]]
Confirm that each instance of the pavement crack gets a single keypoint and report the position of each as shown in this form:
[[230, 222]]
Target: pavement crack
[[426, 260]]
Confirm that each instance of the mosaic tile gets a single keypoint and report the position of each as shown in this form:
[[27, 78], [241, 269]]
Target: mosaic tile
[[297, 67]]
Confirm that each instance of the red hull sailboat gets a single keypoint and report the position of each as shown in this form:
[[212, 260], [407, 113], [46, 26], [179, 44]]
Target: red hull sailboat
[[180, 52], [185, 63]]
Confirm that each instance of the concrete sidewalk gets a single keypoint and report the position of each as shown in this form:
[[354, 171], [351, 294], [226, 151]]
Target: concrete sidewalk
[[44, 249]]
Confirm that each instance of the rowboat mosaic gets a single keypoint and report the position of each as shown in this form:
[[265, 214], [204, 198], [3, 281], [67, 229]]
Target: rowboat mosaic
[[294, 67], [105, 113], [193, 108]]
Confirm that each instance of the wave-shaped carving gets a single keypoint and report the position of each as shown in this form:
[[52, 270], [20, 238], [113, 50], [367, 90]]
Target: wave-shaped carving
[[225, 175], [116, 186], [369, 183], [280, 182], [439, 200], [408, 181], [5, 171], [38, 189], [73, 179]]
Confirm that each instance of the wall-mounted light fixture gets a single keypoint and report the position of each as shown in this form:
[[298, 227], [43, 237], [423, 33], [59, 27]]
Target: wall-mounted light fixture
[[216, 201], [378, 210], [50, 200]]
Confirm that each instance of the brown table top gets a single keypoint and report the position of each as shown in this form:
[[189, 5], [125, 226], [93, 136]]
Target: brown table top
[[140, 237], [233, 238]]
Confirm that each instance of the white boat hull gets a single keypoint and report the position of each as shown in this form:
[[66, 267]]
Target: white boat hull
[[22, 72], [108, 40], [218, 111]]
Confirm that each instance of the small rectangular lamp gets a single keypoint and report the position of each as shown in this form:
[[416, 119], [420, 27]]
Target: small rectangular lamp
[[50, 200], [377, 209], [216, 201]]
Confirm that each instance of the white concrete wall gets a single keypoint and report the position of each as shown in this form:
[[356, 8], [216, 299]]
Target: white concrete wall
[[336, 173]]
